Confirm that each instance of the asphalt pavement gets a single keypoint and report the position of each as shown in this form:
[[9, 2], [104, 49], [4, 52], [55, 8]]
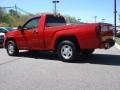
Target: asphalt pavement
[[44, 71]]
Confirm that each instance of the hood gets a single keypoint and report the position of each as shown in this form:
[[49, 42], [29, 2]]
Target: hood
[[11, 32]]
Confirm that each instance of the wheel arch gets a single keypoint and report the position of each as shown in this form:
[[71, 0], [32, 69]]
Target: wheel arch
[[67, 37], [8, 39]]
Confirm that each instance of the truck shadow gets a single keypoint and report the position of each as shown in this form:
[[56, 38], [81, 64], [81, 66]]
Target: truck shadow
[[103, 59]]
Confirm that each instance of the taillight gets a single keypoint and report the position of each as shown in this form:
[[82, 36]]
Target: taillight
[[105, 28]]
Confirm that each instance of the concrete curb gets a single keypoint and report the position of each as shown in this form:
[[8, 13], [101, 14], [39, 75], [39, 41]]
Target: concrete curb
[[117, 46]]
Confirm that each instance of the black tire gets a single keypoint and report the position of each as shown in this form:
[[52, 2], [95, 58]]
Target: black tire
[[67, 51], [87, 52], [11, 48]]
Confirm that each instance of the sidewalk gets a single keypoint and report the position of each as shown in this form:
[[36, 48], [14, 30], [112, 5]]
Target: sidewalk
[[117, 46]]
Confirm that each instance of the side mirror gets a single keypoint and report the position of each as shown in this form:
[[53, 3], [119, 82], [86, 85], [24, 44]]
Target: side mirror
[[19, 27]]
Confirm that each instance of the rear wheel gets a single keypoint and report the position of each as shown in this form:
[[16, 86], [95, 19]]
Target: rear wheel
[[67, 51], [11, 47]]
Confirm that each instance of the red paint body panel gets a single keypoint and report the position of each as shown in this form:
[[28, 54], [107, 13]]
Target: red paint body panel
[[44, 38]]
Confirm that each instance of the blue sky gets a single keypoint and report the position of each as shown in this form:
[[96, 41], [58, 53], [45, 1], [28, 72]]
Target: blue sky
[[81, 9]]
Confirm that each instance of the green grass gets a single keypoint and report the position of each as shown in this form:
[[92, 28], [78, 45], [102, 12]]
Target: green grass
[[118, 40]]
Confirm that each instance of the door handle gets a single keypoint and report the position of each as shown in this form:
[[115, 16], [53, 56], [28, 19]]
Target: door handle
[[35, 31]]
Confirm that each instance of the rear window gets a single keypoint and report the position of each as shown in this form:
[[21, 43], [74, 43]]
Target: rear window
[[52, 21]]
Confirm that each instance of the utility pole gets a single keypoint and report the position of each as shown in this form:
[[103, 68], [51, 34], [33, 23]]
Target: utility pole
[[115, 12], [16, 10], [55, 6], [79, 20], [95, 19]]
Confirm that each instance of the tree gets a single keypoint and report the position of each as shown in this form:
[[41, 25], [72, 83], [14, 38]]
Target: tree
[[12, 12], [11, 18], [71, 19], [2, 14], [14, 18]]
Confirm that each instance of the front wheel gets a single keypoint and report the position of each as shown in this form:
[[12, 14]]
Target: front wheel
[[11, 47], [67, 51]]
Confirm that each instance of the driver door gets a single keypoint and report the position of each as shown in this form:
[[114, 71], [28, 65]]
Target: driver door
[[30, 34]]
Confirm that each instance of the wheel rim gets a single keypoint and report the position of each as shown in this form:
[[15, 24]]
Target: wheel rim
[[10, 48], [66, 51]]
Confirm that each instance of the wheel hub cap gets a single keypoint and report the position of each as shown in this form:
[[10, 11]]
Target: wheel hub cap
[[10, 49], [66, 51]]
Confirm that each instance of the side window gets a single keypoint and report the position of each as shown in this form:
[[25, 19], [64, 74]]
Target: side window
[[31, 24], [53, 21]]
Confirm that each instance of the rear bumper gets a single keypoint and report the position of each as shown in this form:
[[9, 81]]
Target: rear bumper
[[107, 44]]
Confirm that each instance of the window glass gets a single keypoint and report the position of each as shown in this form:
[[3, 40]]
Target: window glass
[[33, 23], [52, 21]]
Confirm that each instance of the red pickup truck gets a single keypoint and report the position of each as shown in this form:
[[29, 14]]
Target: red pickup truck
[[51, 33]]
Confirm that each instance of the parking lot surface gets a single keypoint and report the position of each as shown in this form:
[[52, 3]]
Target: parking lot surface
[[44, 71]]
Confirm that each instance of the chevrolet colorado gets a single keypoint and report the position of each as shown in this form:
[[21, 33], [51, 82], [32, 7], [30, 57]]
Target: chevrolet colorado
[[49, 32]]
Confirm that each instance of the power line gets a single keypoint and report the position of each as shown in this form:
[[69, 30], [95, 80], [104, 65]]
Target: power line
[[16, 9], [23, 10], [7, 7]]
